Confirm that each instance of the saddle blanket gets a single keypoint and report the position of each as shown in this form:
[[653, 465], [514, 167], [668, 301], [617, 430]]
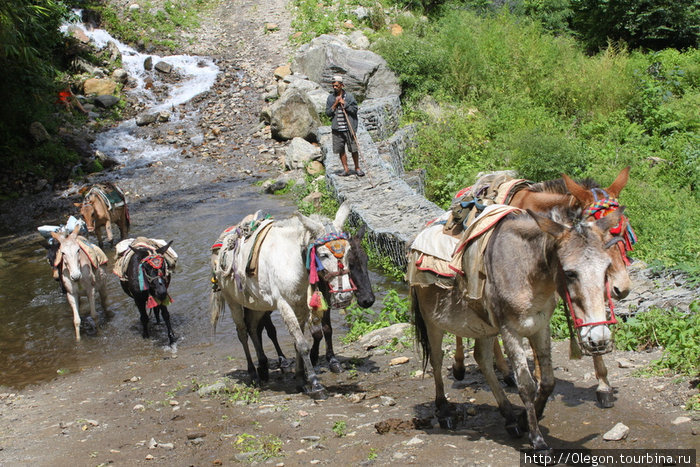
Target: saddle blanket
[[111, 194], [434, 270], [95, 254], [236, 252], [123, 254]]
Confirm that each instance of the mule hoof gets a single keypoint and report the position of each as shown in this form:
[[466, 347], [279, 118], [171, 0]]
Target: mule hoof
[[263, 373], [605, 399], [317, 394], [335, 366], [543, 456], [458, 372], [447, 422], [510, 381], [514, 430]]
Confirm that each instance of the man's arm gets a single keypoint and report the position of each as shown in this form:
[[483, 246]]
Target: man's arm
[[351, 105], [330, 100]]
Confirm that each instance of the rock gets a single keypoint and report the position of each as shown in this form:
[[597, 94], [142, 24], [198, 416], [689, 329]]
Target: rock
[[314, 168], [381, 116], [148, 64], [618, 432], [294, 115], [146, 119], [163, 67], [383, 336], [40, 185], [78, 33], [271, 27], [99, 86], [282, 71], [276, 186], [360, 12], [115, 54], [359, 40], [107, 163], [679, 420], [38, 133], [366, 74], [120, 75], [624, 363], [299, 152], [211, 389], [414, 441], [134, 7], [387, 401], [398, 361], [106, 101], [348, 24], [314, 199], [163, 116], [168, 446], [152, 444], [138, 407], [396, 29], [314, 91]]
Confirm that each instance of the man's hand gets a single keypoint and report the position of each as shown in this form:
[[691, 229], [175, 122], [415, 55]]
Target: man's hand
[[338, 100]]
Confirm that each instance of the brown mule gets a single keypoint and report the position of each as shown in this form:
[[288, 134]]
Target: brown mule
[[98, 211]]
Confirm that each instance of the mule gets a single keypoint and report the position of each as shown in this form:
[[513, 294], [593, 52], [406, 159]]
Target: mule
[[528, 260], [561, 193], [79, 274], [99, 212], [146, 280], [359, 274], [283, 282]]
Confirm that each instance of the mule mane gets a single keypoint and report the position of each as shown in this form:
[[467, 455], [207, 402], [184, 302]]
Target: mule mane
[[558, 186]]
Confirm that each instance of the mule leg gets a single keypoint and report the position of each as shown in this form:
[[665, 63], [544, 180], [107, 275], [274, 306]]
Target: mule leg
[[540, 343], [526, 384], [238, 315], [458, 369], [98, 234], [333, 362], [141, 304], [90, 292], [317, 335], [74, 300], [272, 334], [108, 230], [445, 413], [502, 364], [484, 355], [314, 389], [255, 327], [166, 317], [604, 392]]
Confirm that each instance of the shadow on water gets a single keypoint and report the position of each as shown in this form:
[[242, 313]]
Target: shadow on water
[[37, 340]]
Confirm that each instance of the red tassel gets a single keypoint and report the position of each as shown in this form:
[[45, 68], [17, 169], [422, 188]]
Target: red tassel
[[315, 301], [151, 303]]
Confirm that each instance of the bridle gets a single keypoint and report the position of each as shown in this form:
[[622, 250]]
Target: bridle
[[337, 243], [159, 265]]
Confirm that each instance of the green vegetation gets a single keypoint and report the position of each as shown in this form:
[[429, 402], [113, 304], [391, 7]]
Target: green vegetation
[[394, 310], [675, 332], [259, 447], [340, 428], [313, 18], [157, 26], [506, 94]]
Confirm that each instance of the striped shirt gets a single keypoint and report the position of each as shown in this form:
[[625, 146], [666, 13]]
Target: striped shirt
[[340, 118]]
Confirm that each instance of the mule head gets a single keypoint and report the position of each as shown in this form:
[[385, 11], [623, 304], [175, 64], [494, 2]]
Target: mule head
[[335, 271], [87, 211], [68, 253], [359, 273], [153, 272], [582, 276]]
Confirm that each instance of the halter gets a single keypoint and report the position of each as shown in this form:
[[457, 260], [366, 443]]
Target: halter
[[337, 243], [158, 263], [604, 204]]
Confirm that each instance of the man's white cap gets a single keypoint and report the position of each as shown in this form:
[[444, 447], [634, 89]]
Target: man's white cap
[[337, 79]]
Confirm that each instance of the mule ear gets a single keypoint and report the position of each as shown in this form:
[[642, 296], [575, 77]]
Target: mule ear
[[616, 187], [582, 195], [341, 216], [56, 237], [547, 225], [361, 232], [78, 205], [611, 220], [316, 228], [164, 248]]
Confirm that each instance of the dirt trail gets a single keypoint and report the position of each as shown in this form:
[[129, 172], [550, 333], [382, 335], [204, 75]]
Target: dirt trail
[[145, 410]]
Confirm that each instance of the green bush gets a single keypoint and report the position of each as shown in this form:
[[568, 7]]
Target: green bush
[[674, 331], [395, 309]]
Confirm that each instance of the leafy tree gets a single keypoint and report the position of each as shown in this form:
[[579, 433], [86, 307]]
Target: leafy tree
[[650, 24]]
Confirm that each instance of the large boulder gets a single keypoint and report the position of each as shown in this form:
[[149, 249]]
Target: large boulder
[[299, 153], [366, 74], [314, 91], [294, 115], [99, 87]]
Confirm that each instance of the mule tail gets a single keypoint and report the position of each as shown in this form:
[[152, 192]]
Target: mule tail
[[421, 331], [216, 307]]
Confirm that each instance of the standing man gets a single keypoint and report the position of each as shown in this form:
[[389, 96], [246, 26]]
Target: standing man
[[341, 106]]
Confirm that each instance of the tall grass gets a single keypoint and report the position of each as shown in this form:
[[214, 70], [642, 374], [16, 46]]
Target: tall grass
[[512, 96]]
